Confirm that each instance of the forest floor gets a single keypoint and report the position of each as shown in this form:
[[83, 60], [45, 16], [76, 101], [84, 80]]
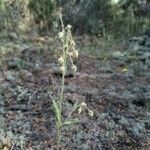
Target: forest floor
[[116, 92]]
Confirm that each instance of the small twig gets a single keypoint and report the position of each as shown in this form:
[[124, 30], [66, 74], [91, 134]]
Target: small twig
[[16, 108], [29, 102], [73, 110], [13, 146]]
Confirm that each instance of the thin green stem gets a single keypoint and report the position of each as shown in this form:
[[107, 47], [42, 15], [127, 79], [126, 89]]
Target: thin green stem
[[62, 96], [58, 137], [63, 79], [62, 91], [65, 43]]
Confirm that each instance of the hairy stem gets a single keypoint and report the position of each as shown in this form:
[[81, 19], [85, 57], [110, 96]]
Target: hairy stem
[[62, 96]]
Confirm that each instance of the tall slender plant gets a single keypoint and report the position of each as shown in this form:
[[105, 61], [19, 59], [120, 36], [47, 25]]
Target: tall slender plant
[[68, 53]]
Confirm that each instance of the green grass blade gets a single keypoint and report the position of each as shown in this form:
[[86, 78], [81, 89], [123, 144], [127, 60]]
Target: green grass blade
[[57, 113], [71, 122]]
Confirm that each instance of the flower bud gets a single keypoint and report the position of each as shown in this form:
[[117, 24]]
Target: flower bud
[[91, 113], [80, 110], [60, 60], [74, 68], [76, 54], [83, 104], [62, 69], [69, 26], [65, 47], [60, 34], [73, 43]]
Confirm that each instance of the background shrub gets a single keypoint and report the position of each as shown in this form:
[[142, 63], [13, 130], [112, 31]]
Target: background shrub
[[97, 17], [42, 11]]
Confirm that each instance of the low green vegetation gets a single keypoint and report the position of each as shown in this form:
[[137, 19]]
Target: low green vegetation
[[120, 18]]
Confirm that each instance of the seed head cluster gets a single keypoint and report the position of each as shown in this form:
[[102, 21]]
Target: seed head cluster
[[69, 52]]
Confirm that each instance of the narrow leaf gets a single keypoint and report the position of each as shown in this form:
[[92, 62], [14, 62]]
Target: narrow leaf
[[71, 122], [75, 106], [57, 112]]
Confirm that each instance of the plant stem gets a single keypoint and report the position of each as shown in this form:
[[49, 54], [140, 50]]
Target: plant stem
[[58, 137], [62, 82], [61, 98], [64, 66]]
